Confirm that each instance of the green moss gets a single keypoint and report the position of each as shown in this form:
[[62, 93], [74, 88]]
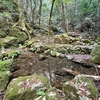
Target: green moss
[[9, 41], [79, 84], [6, 65], [95, 54], [21, 36], [70, 91], [62, 50], [2, 34], [63, 38], [89, 85], [30, 42], [53, 53], [18, 91], [14, 53], [4, 79]]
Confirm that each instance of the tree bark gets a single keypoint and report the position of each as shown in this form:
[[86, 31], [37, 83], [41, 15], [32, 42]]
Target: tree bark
[[49, 25], [40, 9], [65, 20]]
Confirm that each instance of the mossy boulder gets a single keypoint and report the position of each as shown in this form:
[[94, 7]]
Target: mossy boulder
[[53, 53], [2, 34], [26, 87], [21, 36], [9, 41], [6, 65], [62, 39], [62, 50], [80, 88], [30, 42], [4, 79], [95, 54]]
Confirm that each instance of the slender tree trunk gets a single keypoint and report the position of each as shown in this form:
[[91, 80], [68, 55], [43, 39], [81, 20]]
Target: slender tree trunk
[[75, 8], [40, 9], [65, 20], [21, 14], [53, 1]]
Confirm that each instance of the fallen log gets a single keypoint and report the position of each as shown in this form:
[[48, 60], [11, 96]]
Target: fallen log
[[76, 73]]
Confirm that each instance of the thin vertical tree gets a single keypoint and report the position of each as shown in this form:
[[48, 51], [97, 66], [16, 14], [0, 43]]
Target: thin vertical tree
[[40, 9], [65, 20], [49, 25]]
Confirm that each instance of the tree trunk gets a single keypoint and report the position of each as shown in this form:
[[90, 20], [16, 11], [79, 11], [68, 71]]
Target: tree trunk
[[40, 9], [22, 18], [49, 25], [65, 20]]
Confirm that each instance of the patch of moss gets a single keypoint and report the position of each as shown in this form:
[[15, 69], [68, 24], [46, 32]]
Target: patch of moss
[[95, 54], [6, 65], [14, 54], [4, 79]]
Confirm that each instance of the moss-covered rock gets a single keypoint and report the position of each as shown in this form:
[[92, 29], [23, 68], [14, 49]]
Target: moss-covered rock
[[30, 42], [6, 65], [9, 41], [62, 50], [4, 79], [80, 88], [2, 34], [63, 38], [53, 53], [14, 53], [21, 36], [26, 87], [95, 54]]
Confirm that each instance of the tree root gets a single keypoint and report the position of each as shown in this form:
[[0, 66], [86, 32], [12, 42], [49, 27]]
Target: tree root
[[24, 27]]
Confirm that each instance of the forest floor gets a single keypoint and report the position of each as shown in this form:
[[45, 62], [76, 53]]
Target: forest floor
[[29, 63]]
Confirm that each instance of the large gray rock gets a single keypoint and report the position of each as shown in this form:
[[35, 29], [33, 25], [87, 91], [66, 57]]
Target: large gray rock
[[95, 54], [26, 87], [80, 88]]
